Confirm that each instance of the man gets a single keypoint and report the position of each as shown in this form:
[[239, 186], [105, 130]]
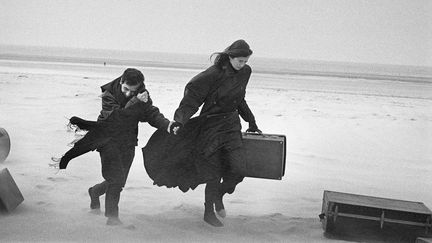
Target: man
[[125, 102]]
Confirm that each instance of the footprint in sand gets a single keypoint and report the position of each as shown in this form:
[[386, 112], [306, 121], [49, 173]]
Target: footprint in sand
[[180, 207], [95, 211], [43, 203], [59, 179], [238, 201], [243, 217], [130, 227], [44, 187]]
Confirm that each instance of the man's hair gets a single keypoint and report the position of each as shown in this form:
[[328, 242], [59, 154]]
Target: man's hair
[[132, 76]]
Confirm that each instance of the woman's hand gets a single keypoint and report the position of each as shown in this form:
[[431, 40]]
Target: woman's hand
[[173, 127], [253, 128]]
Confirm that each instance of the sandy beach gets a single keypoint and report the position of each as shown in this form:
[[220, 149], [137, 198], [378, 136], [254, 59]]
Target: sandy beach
[[361, 136]]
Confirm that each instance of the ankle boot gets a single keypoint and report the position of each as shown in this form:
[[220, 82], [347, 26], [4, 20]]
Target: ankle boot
[[94, 199], [210, 216], [219, 206]]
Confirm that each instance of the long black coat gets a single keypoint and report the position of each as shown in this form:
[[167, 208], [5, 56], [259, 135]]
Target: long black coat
[[188, 159], [219, 91], [120, 116], [117, 122]]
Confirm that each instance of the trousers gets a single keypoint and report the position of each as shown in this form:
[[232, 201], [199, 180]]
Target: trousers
[[116, 162]]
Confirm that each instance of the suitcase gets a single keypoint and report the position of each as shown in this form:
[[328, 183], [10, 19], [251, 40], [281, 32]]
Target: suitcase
[[343, 210], [423, 240], [4, 144], [10, 195], [265, 155]]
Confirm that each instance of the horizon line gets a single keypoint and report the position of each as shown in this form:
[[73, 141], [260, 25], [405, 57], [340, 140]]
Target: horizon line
[[295, 60]]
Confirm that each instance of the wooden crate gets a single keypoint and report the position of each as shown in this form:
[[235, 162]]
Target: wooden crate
[[10, 195], [265, 155], [338, 205]]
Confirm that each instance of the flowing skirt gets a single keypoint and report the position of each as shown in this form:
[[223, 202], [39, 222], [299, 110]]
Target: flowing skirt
[[190, 158]]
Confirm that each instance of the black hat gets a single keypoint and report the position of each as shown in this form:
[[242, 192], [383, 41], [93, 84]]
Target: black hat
[[238, 49]]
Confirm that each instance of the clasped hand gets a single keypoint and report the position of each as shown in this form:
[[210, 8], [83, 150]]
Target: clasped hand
[[253, 128], [174, 127], [143, 96]]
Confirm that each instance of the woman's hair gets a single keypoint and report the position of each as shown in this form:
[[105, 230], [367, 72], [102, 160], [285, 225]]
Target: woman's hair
[[238, 48]]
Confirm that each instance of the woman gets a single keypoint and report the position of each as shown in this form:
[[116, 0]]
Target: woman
[[206, 149]]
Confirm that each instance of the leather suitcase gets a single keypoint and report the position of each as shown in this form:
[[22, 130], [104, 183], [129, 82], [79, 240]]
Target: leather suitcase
[[423, 240], [10, 195], [265, 155]]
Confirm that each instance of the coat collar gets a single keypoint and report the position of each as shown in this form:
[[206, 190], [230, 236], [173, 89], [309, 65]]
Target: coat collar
[[114, 87], [229, 70]]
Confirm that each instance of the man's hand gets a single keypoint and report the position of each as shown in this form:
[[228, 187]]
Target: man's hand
[[173, 127], [143, 96]]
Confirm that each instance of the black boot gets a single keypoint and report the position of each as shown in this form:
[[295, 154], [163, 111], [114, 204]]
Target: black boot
[[210, 216], [219, 206], [94, 199]]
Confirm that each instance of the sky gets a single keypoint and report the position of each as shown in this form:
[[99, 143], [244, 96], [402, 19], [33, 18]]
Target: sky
[[365, 31]]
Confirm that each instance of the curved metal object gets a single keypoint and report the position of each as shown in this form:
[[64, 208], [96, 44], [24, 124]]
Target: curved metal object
[[4, 144]]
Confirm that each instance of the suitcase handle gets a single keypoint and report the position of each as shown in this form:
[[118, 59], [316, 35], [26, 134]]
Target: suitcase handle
[[261, 134], [253, 133]]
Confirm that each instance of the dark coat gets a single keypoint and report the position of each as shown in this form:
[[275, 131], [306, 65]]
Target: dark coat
[[120, 116], [117, 122], [219, 91], [190, 158]]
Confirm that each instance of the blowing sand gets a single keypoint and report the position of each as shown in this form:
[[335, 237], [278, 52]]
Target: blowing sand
[[370, 137]]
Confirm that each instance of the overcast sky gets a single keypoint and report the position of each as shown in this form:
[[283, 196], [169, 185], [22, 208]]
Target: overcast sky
[[372, 31]]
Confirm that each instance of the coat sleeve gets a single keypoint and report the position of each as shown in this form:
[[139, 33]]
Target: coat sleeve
[[194, 96], [137, 109], [109, 104], [245, 112], [147, 112], [243, 108]]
